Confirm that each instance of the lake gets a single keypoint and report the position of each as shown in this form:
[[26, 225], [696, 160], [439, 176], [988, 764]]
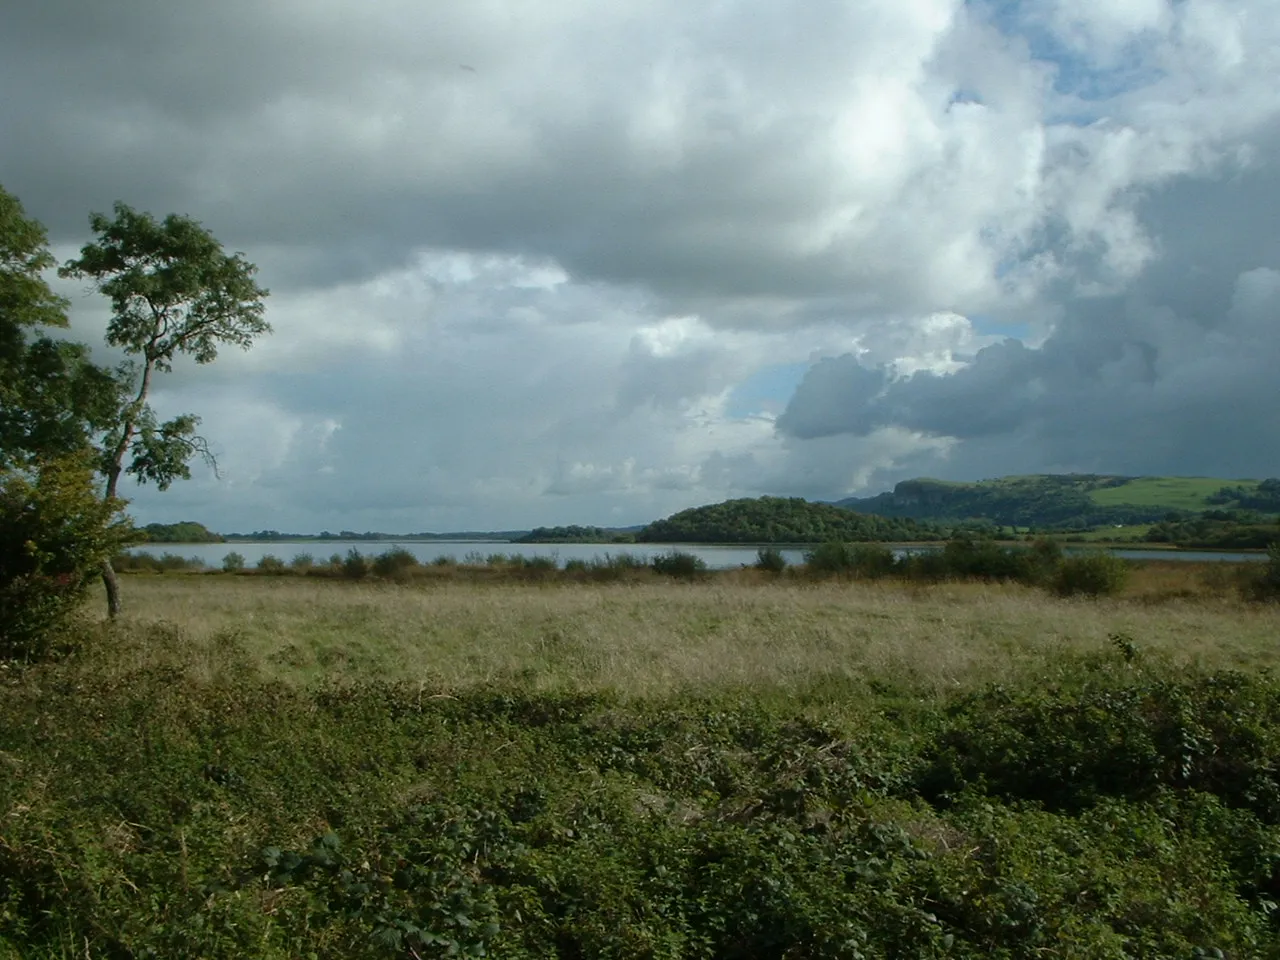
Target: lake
[[716, 557]]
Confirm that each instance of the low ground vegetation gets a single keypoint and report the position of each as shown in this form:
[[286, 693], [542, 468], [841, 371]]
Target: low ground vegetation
[[284, 766]]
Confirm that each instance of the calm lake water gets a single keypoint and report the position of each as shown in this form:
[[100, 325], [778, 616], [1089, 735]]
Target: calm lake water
[[716, 557]]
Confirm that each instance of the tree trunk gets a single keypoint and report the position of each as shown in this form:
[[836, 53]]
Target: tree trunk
[[112, 583], [109, 579]]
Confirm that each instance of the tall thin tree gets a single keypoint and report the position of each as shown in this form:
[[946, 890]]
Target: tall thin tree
[[173, 290]]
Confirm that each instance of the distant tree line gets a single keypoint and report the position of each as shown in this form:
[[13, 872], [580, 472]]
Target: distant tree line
[[573, 533], [187, 531], [1217, 530], [1265, 497], [781, 520]]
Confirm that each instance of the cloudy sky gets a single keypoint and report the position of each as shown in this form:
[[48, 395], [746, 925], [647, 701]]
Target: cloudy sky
[[554, 261]]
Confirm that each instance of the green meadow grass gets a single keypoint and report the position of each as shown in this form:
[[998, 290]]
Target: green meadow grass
[[737, 767], [1175, 493]]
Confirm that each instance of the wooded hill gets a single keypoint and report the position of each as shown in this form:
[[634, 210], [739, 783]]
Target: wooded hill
[[1068, 501], [781, 520]]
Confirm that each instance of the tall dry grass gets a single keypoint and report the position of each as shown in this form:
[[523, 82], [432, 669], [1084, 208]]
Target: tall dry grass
[[658, 637]]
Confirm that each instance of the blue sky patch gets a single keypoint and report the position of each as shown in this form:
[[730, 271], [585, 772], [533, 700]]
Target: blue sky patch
[[766, 391]]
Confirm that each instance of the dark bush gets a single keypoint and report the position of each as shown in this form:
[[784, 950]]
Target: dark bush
[[868, 561], [1066, 747], [986, 560], [394, 564], [1093, 574], [1263, 585], [355, 566], [679, 564], [271, 565], [55, 535], [770, 560]]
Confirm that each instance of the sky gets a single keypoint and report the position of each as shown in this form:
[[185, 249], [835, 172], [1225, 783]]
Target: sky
[[536, 262]]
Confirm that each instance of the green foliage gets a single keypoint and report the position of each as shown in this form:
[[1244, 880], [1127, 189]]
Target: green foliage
[[1044, 501], [770, 560], [302, 562], [1127, 810], [271, 565], [778, 520], [55, 534], [394, 564], [1097, 574], [172, 287], [1263, 496], [1263, 585], [860, 560], [51, 395], [679, 564], [1123, 734], [143, 562], [608, 568], [187, 531], [1041, 565], [354, 565], [1216, 530], [173, 291], [575, 534], [233, 562]]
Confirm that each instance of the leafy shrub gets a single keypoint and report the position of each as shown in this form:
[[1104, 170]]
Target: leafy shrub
[[172, 563], [355, 566], [770, 560], [926, 566], [1263, 585], [985, 560], [302, 562], [233, 562], [679, 564], [607, 568], [144, 562], [444, 560], [271, 564], [55, 535], [829, 558], [1068, 746], [1097, 574], [394, 564], [870, 561], [135, 562]]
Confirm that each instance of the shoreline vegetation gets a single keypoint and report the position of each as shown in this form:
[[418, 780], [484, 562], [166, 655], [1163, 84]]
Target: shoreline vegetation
[[1042, 565]]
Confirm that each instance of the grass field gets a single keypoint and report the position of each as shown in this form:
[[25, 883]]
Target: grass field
[[1173, 493], [727, 769], [657, 638]]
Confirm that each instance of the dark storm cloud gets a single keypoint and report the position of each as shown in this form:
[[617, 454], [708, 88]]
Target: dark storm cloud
[[1175, 376]]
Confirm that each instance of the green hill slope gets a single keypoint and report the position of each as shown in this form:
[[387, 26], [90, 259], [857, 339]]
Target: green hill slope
[[779, 520], [1067, 501]]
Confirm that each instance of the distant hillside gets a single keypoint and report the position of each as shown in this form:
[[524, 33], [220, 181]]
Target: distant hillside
[[1067, 501], [779, 520]]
